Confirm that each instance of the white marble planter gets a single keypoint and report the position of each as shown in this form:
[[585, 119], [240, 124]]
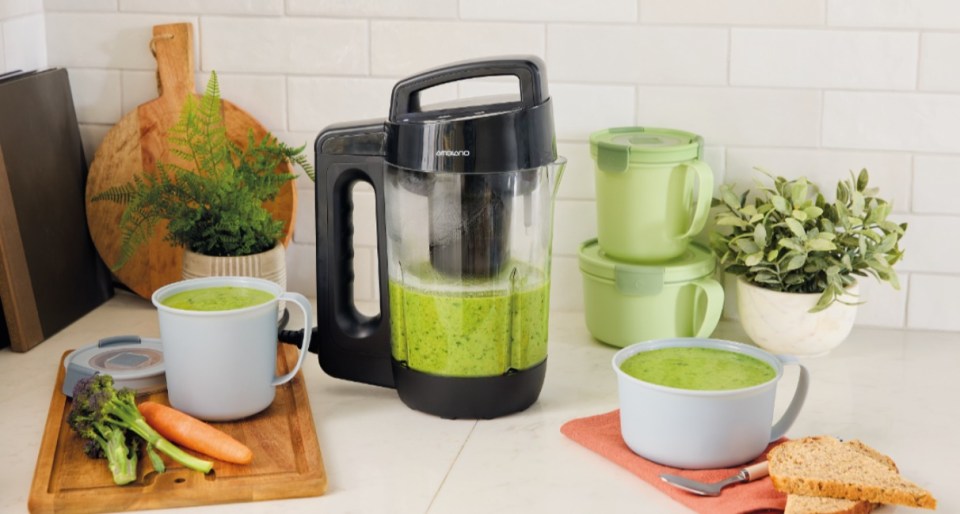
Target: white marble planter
[[781, 322]]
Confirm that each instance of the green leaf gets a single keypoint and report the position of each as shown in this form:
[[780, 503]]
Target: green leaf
[[780, 204], [760, 236], [729, 198], [799, 215], [826, 299], [813, 212], [857, 204], [730, 220], [766, 277], [790, 244], [796, 228], [863, 179], [772, 255], [889, 241], [893, 280], [796, 262], [890, 226], [820, 245], [747, 246], [753, 259], [845, 260], [798, 191]]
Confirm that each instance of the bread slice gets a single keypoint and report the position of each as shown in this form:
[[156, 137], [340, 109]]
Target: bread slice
[[797, 504], [823, 466]]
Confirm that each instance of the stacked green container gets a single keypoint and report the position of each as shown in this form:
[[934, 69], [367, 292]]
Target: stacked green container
[[643, 276]]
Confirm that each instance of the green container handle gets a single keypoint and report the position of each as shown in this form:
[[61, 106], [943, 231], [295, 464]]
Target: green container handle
[[704, 196], [714, 297]]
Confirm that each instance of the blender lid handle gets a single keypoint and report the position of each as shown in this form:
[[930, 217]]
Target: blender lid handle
[[529, 70]]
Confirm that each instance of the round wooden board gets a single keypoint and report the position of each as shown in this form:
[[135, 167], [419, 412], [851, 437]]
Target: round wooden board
[[137, 142]]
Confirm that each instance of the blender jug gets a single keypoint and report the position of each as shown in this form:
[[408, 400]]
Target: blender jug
[[464, 208]]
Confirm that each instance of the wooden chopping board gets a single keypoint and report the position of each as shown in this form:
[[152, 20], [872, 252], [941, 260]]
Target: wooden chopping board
[[138, 141], [286, 461]]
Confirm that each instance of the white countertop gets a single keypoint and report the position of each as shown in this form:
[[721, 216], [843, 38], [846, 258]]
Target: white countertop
[[898, 391]]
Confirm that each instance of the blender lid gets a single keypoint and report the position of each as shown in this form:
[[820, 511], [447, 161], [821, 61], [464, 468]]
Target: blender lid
[[696, 262], [615, 149], [476, 135], [132, 362]]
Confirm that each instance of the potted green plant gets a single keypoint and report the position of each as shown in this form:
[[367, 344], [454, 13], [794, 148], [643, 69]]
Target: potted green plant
[[211, 192], [798, 258]]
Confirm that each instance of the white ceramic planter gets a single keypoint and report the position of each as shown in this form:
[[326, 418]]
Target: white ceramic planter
[[781, 322], [270, 265]]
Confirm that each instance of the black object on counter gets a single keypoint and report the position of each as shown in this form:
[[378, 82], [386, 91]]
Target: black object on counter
[[479, 141]]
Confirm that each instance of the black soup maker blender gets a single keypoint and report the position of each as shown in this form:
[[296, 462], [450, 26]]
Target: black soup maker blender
[[464, 210]]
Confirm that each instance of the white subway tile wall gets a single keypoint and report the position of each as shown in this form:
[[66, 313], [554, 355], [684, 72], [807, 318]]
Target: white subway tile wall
[[799, 87], [24, 42], [936, 49]]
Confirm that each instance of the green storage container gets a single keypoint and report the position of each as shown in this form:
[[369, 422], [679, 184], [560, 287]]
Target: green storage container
[[653, 191], [627, 303]]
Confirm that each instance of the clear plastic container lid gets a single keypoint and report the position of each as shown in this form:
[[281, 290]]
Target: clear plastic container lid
[[133, 362]]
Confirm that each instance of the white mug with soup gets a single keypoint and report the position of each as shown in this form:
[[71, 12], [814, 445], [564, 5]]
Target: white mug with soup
[[219, 337], [702, 403]]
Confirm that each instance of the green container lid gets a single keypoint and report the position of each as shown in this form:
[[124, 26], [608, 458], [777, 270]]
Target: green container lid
[[644, 279], [615, 149]]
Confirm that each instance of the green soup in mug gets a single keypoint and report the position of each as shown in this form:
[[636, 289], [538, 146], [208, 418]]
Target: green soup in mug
[[701, 369], [223, 298]]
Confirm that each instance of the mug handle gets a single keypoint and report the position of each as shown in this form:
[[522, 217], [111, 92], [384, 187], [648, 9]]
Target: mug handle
[[704, 196], [790, 415], [714, 293], [304, 305]]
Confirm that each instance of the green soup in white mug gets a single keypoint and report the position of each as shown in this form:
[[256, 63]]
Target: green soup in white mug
[[221, 298], [701, 369]]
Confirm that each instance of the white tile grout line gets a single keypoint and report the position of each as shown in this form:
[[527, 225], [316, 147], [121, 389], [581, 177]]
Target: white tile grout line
[[730, 57]]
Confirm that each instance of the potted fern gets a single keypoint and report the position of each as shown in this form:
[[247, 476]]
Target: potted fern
[[211, 192], [799, 258]]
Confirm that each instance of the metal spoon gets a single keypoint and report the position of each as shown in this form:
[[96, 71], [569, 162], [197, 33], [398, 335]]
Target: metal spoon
[[746, 474]]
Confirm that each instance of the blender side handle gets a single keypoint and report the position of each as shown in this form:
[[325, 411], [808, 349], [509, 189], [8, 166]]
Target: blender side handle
[[352, 345]]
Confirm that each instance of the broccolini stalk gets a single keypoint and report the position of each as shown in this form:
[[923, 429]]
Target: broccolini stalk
[[120, 459], [118, 409], [104, 441], [156, 460], [123, 412]]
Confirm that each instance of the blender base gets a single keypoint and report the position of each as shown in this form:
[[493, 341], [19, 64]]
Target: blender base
[[469, 397]]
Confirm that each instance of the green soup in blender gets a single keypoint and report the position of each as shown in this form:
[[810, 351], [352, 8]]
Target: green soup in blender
[[469, 334]]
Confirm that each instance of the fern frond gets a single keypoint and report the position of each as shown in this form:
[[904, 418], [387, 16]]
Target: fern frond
[[212, 192], [121, 194]]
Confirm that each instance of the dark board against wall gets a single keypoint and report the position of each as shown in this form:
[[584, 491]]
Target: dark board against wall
[[50, 273]]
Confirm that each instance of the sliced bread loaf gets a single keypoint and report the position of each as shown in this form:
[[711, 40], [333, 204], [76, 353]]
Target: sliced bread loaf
[[797, 504], [826, 467]]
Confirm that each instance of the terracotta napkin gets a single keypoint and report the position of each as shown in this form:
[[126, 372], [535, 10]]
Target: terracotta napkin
[[601, 434]]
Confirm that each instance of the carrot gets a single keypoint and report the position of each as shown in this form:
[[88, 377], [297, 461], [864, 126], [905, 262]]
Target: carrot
[[192, 433]]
